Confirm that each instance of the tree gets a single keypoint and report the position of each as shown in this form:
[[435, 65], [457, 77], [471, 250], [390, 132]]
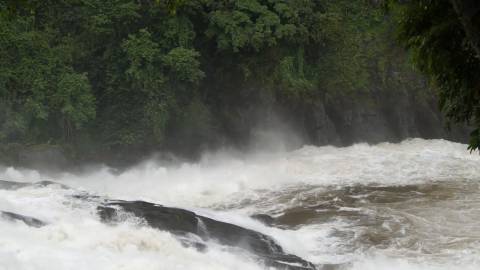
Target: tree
[[41, 91], [131, 76], [443, 37]]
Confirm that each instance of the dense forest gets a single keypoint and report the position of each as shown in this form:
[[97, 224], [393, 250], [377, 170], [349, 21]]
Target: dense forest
[[443, 38], [117, 79]]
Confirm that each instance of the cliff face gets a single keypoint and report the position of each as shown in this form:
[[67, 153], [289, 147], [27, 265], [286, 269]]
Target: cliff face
[[396, 105], [390, 116], [393, 117]]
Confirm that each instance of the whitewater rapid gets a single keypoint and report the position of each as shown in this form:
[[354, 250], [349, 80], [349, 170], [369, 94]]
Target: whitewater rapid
[[406, 206]]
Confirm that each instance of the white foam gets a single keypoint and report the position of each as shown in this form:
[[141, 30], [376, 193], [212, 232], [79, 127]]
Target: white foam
[[76, 239], [219, 177]]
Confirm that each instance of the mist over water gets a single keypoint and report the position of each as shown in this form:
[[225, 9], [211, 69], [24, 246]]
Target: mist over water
[[411, 205]]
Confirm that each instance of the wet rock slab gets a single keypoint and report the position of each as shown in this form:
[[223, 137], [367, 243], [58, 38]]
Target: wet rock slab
[[180, 222], [183, 222], [30, 221]]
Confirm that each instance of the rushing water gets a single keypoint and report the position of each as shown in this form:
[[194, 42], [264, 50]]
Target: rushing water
[[413, 205]]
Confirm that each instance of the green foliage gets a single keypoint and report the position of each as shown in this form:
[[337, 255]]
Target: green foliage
[[357, 47], [436, 38], [143, 56], [292, 75], [74, 99], [127, 75], [183, 65], [256, 25], [38, 84]]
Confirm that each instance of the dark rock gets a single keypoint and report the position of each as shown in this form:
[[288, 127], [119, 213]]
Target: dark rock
[[182, 222], [30, 221], [9, 185], [175, 220], [198, 244], [264, 218], [373, 117], [319, 125], [192, 230]]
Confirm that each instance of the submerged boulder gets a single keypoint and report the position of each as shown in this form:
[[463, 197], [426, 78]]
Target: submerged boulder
[[183, 222], [190, 229], [30, 221], [264, 218]]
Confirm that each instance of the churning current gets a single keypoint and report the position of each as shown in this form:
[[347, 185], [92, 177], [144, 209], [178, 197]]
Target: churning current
[[411, 205]]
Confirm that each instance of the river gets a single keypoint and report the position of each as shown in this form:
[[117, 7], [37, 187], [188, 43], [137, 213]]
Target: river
[[406, 206]]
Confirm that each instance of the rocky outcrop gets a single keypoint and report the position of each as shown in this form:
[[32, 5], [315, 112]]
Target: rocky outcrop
[[374, 117], [389, 116], [186, 225], [30, 221], [264, 218], [182, 222]]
